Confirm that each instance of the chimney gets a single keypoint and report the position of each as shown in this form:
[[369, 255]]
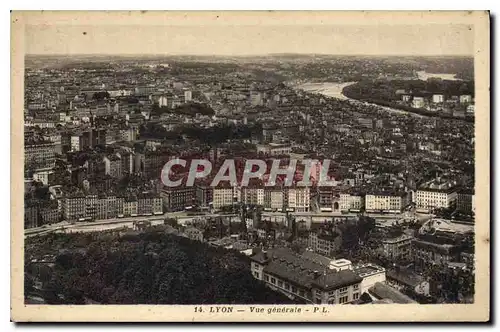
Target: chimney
[[264, 253]]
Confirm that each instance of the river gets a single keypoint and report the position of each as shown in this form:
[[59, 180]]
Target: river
[[328, 89], [424, 76], [331, 89]]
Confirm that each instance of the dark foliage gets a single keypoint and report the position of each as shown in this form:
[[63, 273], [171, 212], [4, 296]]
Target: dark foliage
[[101, 95], [147, 268], [384, 93]]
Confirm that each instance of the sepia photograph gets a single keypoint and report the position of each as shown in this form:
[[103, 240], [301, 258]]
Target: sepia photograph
[[250, 166]]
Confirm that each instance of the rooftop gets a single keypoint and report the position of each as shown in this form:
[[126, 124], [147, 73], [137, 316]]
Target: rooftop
[[405, 277], [382, 291], [367, 269], [401, 238], [306, 271]]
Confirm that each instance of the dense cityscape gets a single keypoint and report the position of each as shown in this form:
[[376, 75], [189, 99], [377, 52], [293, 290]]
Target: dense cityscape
[[101, 227]]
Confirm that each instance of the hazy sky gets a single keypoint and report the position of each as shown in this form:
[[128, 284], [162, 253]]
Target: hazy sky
[[433, 39]]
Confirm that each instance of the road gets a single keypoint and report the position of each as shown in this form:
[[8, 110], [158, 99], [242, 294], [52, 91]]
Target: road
[[101, 225], [183, 218]]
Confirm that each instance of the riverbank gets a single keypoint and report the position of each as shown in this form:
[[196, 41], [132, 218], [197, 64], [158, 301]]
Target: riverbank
[[348, 91], [336, 90], [328, 89], [341, 91]]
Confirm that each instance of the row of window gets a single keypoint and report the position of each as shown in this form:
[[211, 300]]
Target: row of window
[[284, 285]]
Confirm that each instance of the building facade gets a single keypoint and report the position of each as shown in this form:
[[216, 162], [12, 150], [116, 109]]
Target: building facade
[[397, 248], [389, 202], [305, 280]]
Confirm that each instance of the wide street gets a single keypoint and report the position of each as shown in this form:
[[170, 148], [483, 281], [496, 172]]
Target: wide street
[[183, 218]]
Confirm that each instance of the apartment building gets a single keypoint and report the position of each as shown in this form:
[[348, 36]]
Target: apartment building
[[465, 199], [39, 154], [388, 202], [113, 166], [252, 195], [397, 248], [274, 198], [178, 198], [351, 202], [299, 199], [325, 243], [223, 196], [430, 250], [434, 195], [274, 149]]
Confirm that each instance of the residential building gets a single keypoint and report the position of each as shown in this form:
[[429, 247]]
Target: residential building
[[252, 195], [39, 154], [274, 198], [397, 248], [130, 207], [178, 198], [194, 234], [437, 98], [388, 201], [464, 201], [299, 199], [434, 195], [44, 175], [352, 202], [204, 195], [113, 166], [274, 149], [465, 99], [256, 98], [188, 95], [73, 207], [326, 198], [401, 279], [325, 243], [418, 102], [432, 250], [223, 196], [148, 204]]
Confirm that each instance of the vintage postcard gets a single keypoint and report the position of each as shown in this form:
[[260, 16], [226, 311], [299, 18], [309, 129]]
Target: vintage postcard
[[250, 166]]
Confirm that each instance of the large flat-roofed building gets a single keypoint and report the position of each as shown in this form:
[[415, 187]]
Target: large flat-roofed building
[[432, 195], [304, 278]]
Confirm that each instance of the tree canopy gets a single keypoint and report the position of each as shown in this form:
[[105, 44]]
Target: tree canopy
[[145, 268]]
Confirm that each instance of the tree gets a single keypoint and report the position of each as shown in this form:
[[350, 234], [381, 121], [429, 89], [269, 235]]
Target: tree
[[148, 268], [171, 221], [101, 95]]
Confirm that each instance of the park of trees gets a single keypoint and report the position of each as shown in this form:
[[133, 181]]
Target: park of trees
[[145, 268]]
